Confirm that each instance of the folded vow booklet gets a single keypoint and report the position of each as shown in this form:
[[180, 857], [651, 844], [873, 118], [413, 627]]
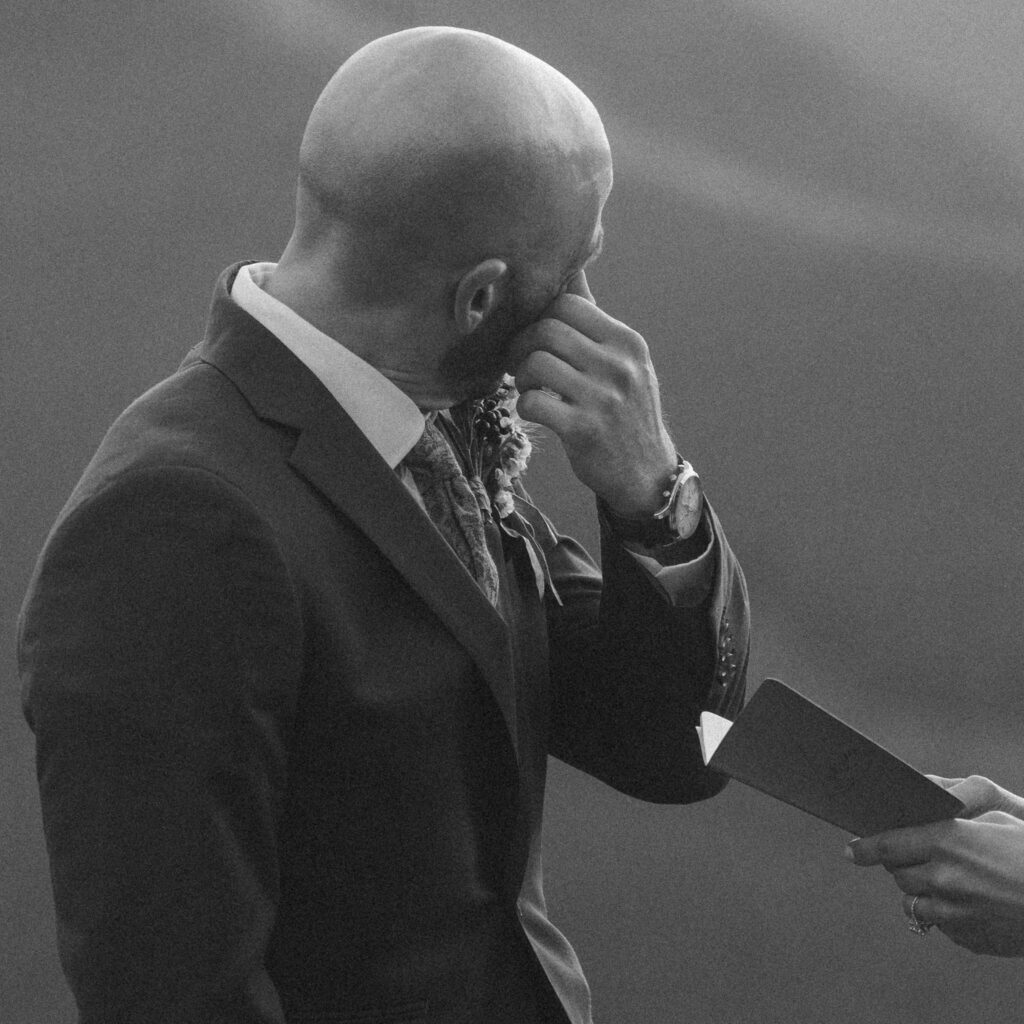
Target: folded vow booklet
[[786, 746]]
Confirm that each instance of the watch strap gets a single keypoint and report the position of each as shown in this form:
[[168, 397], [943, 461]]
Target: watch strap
[[676, 520]]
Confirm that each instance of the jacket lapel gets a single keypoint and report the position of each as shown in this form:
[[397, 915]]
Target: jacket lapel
[[335, 457]]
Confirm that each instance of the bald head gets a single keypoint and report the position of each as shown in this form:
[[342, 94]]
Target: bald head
[[435, 148]]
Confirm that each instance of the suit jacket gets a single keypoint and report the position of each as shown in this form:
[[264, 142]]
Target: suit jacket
[[291, 760]]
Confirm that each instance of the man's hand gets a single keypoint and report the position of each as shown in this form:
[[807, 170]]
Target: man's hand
[[968, 873], [589, 379]]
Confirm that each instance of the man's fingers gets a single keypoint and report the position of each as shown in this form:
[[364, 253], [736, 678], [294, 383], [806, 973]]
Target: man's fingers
[[578, 285], [592, 321], [552, 336], [540, 407], [543, 370]]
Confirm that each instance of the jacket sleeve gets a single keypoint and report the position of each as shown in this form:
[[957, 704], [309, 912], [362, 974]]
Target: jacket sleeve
[[160, 649], [632, 667]]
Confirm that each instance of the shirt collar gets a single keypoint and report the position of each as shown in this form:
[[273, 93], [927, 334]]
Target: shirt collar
[[391, 420]]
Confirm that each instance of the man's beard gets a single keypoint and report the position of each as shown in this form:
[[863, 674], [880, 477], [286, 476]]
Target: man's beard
[[477, 364]]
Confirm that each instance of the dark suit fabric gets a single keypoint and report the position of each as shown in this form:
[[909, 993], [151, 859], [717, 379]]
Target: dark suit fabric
[[291, 760]]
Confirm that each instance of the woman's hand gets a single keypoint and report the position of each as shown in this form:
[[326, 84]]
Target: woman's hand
[[979, 795], [967, 874]]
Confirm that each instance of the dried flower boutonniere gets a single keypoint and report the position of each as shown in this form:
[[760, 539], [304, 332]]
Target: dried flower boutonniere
[[495, 446]]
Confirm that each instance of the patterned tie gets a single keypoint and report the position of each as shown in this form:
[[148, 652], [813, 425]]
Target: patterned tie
[[450, 502]]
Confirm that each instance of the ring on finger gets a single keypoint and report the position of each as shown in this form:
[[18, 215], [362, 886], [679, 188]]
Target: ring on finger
[[917, 926]]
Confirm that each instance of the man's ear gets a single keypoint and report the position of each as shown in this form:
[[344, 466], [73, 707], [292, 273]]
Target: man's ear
[[478, 293]]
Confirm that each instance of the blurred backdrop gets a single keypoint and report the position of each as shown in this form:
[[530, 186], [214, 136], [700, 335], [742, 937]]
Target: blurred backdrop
[[818, 225]]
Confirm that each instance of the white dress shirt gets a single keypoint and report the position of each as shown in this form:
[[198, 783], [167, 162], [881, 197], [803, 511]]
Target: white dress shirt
[[387, 416]]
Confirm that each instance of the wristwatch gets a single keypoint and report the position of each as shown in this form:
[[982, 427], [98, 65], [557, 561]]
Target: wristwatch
[[676, 520]]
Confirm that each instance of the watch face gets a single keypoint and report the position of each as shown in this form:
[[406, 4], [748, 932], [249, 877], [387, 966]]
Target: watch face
[[689, 503]]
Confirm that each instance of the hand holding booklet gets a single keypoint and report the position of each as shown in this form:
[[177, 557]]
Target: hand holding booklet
[[790, 748]]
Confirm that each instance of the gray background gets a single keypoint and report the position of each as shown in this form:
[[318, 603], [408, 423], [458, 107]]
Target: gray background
[[818, 224]]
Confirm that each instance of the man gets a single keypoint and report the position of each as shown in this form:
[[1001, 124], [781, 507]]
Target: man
[[292, 723]]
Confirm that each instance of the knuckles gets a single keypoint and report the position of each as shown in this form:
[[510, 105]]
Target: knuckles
[[623, 376], [881, 851], [944, 879], [634, 344], [978, 793], [581, 315], [999, 818], [983, 794]]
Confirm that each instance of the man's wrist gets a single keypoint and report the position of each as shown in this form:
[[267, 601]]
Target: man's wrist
[[642, 529], [676, 519]]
